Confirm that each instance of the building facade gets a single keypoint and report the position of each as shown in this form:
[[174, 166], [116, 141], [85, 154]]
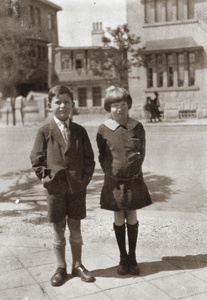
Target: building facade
[[174, 40], [37, 22], [81, 69]]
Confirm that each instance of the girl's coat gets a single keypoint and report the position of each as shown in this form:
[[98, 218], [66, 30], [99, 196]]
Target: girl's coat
[[121, 154]]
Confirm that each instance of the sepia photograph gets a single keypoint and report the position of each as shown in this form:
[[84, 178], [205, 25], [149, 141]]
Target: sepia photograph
[[103, 142]]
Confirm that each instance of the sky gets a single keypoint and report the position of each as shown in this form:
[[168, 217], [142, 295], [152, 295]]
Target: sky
[[76, 18]]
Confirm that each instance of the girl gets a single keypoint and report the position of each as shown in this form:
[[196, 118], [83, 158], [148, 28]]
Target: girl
[[121, 144]]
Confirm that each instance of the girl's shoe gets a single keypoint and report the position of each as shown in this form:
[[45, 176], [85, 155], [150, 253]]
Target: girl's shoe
[[133, 267], [123, 266]]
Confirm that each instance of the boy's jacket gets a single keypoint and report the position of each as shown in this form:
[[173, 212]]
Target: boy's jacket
[[63, 168]]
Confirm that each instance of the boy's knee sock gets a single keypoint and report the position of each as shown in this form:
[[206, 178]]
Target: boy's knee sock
[[76, 251], [132, 231], [59, 250], [121, 239]]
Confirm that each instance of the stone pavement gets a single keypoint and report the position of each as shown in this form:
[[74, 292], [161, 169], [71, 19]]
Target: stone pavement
[[170, 269], [27, 265]]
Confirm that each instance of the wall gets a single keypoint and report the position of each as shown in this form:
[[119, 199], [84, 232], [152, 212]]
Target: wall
[[186, 99]]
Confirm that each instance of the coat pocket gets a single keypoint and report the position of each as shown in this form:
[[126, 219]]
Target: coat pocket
[[57, 185]]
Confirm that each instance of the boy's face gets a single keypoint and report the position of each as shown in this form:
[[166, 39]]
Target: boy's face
[[62, 106]]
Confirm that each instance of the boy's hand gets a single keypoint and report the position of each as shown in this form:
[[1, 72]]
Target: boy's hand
[[46, 179]]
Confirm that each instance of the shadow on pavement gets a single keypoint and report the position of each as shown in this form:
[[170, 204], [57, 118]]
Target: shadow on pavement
[[159, 187], [23, 187], [168, 263]]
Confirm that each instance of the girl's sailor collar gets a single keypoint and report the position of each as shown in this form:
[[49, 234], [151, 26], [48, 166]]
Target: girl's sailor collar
[[113, 125]]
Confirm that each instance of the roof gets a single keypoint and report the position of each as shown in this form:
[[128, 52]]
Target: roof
[[85, 48], [57, 7], [171, 45]]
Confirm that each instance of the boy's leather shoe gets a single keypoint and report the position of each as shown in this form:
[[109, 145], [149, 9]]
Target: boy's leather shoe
[[59, 277], [83, 273], [133, 267]]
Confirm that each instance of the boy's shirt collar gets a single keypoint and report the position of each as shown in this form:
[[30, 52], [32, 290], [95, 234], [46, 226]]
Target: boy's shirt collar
[[61, 123], [113, 125]]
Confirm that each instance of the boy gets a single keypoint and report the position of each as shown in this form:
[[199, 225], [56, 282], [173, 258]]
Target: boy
[[63, 159]]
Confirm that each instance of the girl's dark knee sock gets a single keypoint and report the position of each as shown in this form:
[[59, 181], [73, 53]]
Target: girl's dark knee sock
[[121, 239], [132, 231]]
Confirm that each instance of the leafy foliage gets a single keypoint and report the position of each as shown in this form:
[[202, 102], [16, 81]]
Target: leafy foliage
[[120, 54], [18, 63]]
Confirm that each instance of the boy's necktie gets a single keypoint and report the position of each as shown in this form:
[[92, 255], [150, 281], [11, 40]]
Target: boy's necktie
[[65, 132]]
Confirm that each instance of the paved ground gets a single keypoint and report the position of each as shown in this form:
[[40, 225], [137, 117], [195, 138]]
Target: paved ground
[[172, 245]]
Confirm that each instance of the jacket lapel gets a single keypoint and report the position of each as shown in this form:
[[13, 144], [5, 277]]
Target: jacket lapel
[[56, 133]]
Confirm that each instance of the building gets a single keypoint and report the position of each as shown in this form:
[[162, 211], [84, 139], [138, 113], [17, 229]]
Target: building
[[174, 40], [37, 22], [81, 69]]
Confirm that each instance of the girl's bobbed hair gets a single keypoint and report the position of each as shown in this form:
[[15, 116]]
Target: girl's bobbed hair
[[59, 90], [116, 94]]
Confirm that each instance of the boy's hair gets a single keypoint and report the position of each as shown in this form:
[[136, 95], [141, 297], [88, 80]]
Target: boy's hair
[[59, 90], [116, 94]]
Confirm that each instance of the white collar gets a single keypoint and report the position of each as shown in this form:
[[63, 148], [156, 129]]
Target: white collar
[[113, 125], [58, 122]]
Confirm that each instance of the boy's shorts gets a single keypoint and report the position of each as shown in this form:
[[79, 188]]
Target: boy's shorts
[[72, 205]]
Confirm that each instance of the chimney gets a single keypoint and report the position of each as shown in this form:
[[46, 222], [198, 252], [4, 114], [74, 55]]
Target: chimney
[[97, 33]]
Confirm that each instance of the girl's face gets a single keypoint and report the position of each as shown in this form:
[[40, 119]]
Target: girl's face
[[62, 106], [119, 111]]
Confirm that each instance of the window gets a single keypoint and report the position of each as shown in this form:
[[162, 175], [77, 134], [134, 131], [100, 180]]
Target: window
[[65, 61], [170, 71], [157, 11], [149, 11], [33, 51], [191, 68], [191, 9], [10, 10], [78, 64], [51, 21], [31, 13], [14, 8], [38, 16], [169, 10], [149, 72], [96, 96], [49, 18], [180, 9], [149, 77], [82, 97], [181, 69], [159, 71], [44, 52], [178, 71], [39, 52]]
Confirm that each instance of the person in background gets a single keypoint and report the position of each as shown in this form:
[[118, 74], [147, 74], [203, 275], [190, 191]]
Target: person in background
[[148, 109], [19, 105], [63, 159], [121, 145], [156, 104]]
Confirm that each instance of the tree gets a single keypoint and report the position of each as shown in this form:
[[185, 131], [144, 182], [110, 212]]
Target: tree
[[120, 54], [18, 64]]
